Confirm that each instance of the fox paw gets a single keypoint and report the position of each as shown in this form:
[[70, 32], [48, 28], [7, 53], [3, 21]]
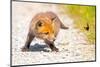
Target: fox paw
[[24, 49]]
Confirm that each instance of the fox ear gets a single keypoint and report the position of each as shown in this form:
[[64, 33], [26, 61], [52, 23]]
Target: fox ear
[[53, 18]]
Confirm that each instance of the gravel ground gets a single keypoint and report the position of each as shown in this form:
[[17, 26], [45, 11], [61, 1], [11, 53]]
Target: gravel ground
[[72, 43]]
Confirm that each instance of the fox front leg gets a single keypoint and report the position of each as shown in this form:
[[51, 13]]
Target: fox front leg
[[51, 45], [28, 41]]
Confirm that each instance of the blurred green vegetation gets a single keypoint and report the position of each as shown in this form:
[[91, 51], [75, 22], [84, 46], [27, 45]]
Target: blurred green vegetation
[[82, 16]]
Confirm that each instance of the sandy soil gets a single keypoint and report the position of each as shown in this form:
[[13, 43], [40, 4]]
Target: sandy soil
[[72, 43]]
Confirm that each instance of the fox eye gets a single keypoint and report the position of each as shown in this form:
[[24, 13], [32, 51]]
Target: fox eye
[[39, 23], [46, 33]]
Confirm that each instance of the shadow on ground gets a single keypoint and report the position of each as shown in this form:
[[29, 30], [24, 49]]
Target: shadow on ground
[[38, 47]]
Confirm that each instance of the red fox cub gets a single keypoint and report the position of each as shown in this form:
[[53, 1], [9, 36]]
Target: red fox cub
[[44, 26]]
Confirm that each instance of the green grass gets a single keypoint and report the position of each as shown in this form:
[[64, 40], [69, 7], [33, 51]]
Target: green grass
[[83, 15]]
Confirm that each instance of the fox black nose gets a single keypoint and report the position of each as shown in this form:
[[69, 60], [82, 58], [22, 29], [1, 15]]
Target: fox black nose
[[52, 40]]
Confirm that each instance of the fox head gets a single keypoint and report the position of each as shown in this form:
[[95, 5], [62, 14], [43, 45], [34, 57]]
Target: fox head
[[45, 28]]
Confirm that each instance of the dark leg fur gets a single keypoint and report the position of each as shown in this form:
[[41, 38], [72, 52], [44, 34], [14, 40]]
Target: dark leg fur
[[51, 45], [28, 41]]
